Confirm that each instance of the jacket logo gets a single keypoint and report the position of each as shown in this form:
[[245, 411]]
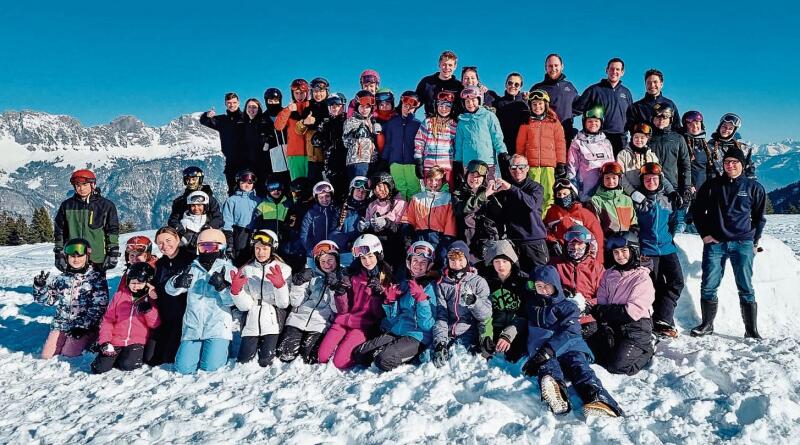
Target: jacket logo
[[623, 96], [743, 193]]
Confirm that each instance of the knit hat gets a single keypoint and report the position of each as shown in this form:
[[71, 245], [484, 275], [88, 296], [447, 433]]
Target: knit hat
[[735, 153], [500, 248]]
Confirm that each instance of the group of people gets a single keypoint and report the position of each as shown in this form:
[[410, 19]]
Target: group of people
[[358, 234]]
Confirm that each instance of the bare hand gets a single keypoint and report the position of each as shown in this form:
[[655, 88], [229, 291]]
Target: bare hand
[[309, 120], [502, 345], [708, 239], [211, 113], [293, 106], [504, 185], [151, 291], [490, 188]]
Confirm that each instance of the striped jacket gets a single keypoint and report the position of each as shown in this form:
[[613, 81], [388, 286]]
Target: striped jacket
[[429, 210], [435, 142]]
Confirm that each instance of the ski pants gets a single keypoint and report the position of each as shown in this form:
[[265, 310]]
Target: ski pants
[[59, 343], [265, 346], [127, 358], [298, 166], [624, 349], [405, 179], [388, 351], [209, 355], [667, 277], [546, 177], [296, 342], [340, 342]]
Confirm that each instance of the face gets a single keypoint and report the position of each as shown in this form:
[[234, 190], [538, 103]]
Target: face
[[246, 186], [277, 193], [610, 181], [193, 182], [661, 121], [252, 109], [446, 68], [262, 252], [621, 255], [469, 79], [543, 288], [726, 129], [137, 257], [433, 182], [369, 261], [472, 104], [614, 72], [653, 85], [359, 194], [406, 109], [443, 110], [327, 263], [553, 67], [733, 168], [167, 244], [418, 266], [382, 191], [196, 209], [651, 182], [299, 95], [273, 101], [372, 87], [502, 266], [639, 140], [519, 174], [384, 106], [562, 193], [537, 107], [513, 85], [324, 199], [457, 263], [320, 94], [474, 180], [232, 104], [694, 128], [83, 189], [335, 109], [77, 261], [593, 125], [365, 110]]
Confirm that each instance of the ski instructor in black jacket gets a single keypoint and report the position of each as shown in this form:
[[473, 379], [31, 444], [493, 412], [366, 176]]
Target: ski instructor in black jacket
[[231, 137]]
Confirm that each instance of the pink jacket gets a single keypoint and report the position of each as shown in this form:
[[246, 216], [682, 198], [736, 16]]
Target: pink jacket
[[123, 325], [382, 208], [633, 288], [358, 309]]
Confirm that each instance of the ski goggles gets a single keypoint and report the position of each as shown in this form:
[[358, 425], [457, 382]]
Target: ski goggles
[[209, 247], [197, 200], [299, 85], [137, 244], [319, 86], [322, 188], [334, 100], [79, 249], [369, 78], [359, 251], [248, 178], [645, 129], [446, 96], [384, 97], [420, 251], [577, 236], [651, 168], [611, 168], [325, 247], [272, 186], [693, 116], [562, 184], [361, 183], [410, 101], [469, 93], [731, 118], [263, 238], [456, 254], [538, 95], [479, 167], [367, 101]]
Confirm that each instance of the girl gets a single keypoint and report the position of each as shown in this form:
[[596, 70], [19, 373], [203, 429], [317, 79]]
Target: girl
[[362, 136], [478, 135], [435, 142], [194, 219], [588, 152], [353, 210], [614, 208]]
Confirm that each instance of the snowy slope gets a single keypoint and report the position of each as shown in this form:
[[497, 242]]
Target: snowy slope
[[702, 391]]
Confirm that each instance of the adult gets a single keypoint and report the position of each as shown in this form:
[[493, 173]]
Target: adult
[[230, 127], [442, 80], [512, 109], [562, 92], [615, 99], [470, 78], [275, 140], [257, 129], [729, 215], [642, 111]]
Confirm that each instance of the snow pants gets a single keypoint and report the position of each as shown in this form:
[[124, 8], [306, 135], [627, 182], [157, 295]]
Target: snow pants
[[209, 355], [624, 349], [127, 358], [405, 179], [298, 166], [265, 345], [59, 343], [667, 277], [340, 342], [575, 366], [388, 351], [546, 177], [296, 342]]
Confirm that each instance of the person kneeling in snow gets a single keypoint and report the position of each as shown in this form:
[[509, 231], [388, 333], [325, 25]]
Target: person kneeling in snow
[[260, 290], [128, 322], [509, 288], [409, 315], [207, 322], [463, 310], [556, 348]]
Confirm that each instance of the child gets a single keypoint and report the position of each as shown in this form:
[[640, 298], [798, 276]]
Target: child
[[588, 152], [313, 307], [330, 135], [193, 181], [478, 135], [362, 136], [80, 295], [566, 212], [353, 211], [435, 141], [238, 213], [624, 307], [614, 208], [321, 219], [384, 106], [430, 213], [128, 323], [399, 148], [358, 303], [633, 157], [138, 249], [370, 81], [260, 289], [195, 219], [288, 119], [556, 348], [470, 207], [310, 125], [384, 216], [272, 211], [509, 288]]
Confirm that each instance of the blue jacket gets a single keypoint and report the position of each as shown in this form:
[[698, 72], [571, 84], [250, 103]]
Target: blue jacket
[[478, 136], [406, 317], [615, 100], [730, 209], [553, 320], [642, 111], [562, 94], [208, 312], [655, 237], [318, 224], [399, 133], [238, 209], [345, 231]]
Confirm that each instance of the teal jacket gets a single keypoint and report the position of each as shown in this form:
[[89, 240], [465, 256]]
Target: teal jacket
[[478, 136], [407, 318]]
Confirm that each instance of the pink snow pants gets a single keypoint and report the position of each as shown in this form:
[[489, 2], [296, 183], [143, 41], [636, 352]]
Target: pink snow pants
[[343, 341], [59, 343]]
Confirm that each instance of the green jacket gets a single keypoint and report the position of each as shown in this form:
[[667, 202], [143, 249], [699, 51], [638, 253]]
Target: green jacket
[[95, 221], [614, 209]]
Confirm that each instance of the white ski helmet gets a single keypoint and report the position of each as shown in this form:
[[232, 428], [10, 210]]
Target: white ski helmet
[[266, 237], [197, 197], [322, 187], [366, 244]]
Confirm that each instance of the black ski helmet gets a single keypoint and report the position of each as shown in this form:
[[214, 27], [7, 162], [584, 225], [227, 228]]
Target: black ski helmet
[[193, 172], [619, 240], [385, 178], [244, 173], [142, 272], [81, 247]]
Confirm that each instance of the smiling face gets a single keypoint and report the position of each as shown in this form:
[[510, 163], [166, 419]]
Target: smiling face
[[168, 244], [418, 266], [262, 252], [232, 104], [513, 85], [365, 110], [732, 167], [77, 261], [651, 182], [372, 87], [593, 125], [610, 181], [319, 94], [553, 67], [726, 130], [359, 194], [457, 263], [83, 189], [474, 180], [614, 72], [369, 261], [444, 108], [545, 289], [694, 128], [469, 78], [327, 263], [472, 104], [299, 95], [446, 68], [433, 182], [653, 84], [251, 108], [621, 255], [639, 140], [537, 107], [382, 191], [335, 109]]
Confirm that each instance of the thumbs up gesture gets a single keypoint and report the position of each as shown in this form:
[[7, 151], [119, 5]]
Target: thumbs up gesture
[[310, 119]]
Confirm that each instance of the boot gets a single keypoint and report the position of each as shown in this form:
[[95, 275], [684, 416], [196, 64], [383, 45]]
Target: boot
[[599, 408], [749, 315], [709, 310], [554, 395]]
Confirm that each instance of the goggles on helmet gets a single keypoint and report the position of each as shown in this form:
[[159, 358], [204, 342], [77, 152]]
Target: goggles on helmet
[[693, 116], [446, 96], [732, 119], [367, 101], [324, 247], [78, 249], [209, 247], [410, 101], [263, 238]]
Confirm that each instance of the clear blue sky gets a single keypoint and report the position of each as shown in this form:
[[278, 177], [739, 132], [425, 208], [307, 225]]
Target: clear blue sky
[[157, 60]]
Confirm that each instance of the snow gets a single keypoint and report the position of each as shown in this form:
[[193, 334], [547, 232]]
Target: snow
[[696, 391], [34, 184]]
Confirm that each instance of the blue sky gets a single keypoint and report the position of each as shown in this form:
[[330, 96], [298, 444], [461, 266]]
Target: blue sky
[[99, 60]]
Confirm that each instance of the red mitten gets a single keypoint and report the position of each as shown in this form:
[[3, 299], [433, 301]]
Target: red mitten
[[275, 276], [238, 280]]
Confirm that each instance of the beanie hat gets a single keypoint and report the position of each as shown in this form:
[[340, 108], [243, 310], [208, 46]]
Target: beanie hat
[[735, 153]]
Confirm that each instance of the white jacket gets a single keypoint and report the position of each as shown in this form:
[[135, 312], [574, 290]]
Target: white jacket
[[260, 298]]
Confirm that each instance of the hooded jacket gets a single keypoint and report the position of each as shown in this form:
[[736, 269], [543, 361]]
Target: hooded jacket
[[673, 154], [123, 324], [259, 298], [94, 220], [208, 312], [80, 299], [479, 136], [615, 100], [435, 142], [399, 134], [542, 141], [507, 298], [587, 153], [454, 318], [631, 161], [614, 210], [312, 303]]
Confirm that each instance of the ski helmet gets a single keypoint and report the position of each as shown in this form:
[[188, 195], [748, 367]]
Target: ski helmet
[[211, 241], [272, 93], [142, 272], [410, 98], [643, 128], [650, 168], [663, 110], [538, 95], [732, 119], [299, 85], [366, 244], [140, 244], [383, 178], [78, 247], [596, 112], [192, 172], [478, 166], [472, 92], [692, 116], [336, 99], [384, 95], [578, 234], [322, 248], [246, 175], [613, 168], [320, 83], [198, 197], [359, 182], [301, 187], [83, 176], [422, 249], [322, 187], [619, 240], [266, 237], [370, 76], [365, 98]]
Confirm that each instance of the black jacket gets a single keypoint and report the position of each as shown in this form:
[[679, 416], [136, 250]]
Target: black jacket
[[430, 86], [179, 207], [520, 210], [615, 100], [673, 155], [231, 134], [730, 209], [512, 112], [642, 111]]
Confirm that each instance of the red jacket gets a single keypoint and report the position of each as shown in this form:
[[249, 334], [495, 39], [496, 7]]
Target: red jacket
[[558, 220], [583, 277], [358, 309], [123, 324], [295, 141]]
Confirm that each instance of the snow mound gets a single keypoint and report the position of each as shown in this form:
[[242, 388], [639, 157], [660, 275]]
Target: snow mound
[[710, 390]]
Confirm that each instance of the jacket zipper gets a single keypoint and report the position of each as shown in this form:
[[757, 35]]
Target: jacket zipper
[[130, 324]]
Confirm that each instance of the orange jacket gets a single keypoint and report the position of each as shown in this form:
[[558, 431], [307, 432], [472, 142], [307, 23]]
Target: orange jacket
[[542, 141], [296, 141], [429, 210]]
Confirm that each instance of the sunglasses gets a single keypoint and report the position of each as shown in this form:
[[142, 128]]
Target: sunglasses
[[366, 101], [514, 84], [209, 247], [76, 250], [263, 238], [518, 166], [731, 161], [410, 101]]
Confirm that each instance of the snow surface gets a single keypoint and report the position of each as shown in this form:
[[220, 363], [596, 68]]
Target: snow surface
[[716, 389]]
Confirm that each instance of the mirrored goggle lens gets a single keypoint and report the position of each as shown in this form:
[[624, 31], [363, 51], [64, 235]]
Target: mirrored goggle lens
[[136, 248], [469, 94], [732, 119], [81, 181], [335, 101], [209, 247], [272, 186], [383, 97], [323, 248], [455, 255], [650, 169], [536, 95], [323, 189], [693, 117], [247, 178], [366, 101], [263, 238], [361, 184], [422, 251], [76, 249], [410, 101], [198, 200], [368, 79], [446, 96], [575, 236], [359, 251]]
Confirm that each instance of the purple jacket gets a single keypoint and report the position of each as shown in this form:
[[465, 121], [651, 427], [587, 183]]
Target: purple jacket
[[633, 288], [358, 309]]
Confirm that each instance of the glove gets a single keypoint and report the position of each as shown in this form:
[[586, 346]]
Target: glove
[[556, 250], [77, 332], [108, 350], [487, 347], [470, 299], [183, 280], [110, 262], [561, 171], [302, 277], [40, 281], [379, 223], [532, 366], [637, 197], [238, 280], [377, 128], [61, 261], [440, 354], [676, 199], [417, 291], [218, 281], [388, 298], [503, 158], [144, 306], [343, 284], [229, 252], [611, 313], [579, 300], [362, 225], [646, 205], [419, 170], [374, 285], [275, 276], [331, 280]]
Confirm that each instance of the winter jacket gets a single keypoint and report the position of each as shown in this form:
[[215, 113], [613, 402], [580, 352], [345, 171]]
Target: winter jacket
[[615, 100], [208, 312], [80, 299], [407, 318], [319, 111], [179, 208], [730, 209], [94, 220], [718, 147], [345, 231], [430, 210], [360, 139], [454, 318], [559, 220], [171, 308], [312, 303], [582, 276], [230, 127], [429, 86], [399, 133], [255, 132], [614, 209], [123, 324], [194, 223], [472, 216], [507, 298], [632, 159], [435, 142], [271, 214], [259, 298], [700, 155], [641, 112], [520, 210], [587, 153], [673, 154], [542, 141], [479, 136], [631, 288], [358, 308], [655, 237], [512, 113], [318, 223], [562, 94], [553, 320], [287, 120], [393, 209], [237, 213]]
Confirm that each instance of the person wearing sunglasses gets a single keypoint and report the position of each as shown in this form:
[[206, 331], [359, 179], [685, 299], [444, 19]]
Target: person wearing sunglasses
[[512, 109], [434, 143], [80, 298], [207, 322], [320, 220], [614, 97], [399, 146], [726, 137], [561, 91], [230, 127], [642, 110], [478, 135], [588, 152], [353, 211], [442, 80], [287, 119], [90, 216], [362, 136], [193, 178], [566, 211], [612, 206], [331, 130], [729, 216], [237, 214]]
